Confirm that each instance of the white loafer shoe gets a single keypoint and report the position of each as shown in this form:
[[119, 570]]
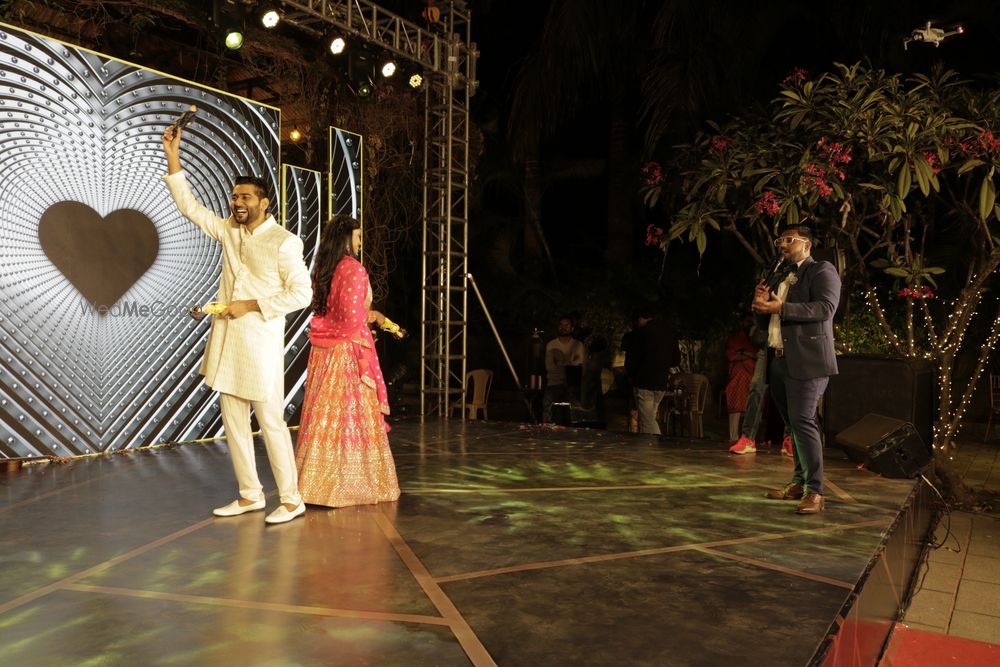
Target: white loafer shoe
[[235, 509], [281, 515]]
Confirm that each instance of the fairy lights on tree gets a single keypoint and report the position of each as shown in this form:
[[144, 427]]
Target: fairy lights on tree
[[898, 172]]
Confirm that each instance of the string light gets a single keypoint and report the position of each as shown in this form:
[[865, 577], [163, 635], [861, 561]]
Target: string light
[[941, 350]]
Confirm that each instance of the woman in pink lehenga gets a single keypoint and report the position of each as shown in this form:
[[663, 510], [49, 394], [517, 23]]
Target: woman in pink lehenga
[[343, 448]]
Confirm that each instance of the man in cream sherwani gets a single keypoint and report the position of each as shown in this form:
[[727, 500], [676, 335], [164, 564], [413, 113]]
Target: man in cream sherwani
[[263, 278]]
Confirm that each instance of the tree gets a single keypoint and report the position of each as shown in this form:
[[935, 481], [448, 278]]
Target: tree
[[898, 173]]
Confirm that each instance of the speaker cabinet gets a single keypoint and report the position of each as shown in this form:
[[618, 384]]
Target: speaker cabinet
[[894, 387], [887, 446]]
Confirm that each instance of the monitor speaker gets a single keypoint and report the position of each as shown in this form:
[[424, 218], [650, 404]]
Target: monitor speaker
[[885, 445], [898, 388]]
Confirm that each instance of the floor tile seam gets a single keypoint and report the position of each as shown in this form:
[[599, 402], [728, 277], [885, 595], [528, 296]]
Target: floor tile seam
[[506, 453], [979, 614], [258, 605], [467, 452], [62, 489], [545, 489], [467, 638], [844, 495], [687, 469], [100, 567], [777, 568], [961, 579], [641, 553]]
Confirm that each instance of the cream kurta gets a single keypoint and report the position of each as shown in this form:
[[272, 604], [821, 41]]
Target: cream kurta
[[245, 356]]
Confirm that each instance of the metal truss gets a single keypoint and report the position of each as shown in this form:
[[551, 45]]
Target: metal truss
[[449, 57], [446, 224], [376, 25]]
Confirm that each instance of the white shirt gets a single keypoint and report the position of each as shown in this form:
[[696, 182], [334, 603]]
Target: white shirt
[[559, 355], [774, 326]]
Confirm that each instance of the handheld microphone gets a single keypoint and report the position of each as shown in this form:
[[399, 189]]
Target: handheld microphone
[[186, 118], [774, 269], [393, 329], [777, 274]]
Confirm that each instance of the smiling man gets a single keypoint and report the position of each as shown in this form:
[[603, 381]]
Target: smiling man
[[263, 279], [799, 322]]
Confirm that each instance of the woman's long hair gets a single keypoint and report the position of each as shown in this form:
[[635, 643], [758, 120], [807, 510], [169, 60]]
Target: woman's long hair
[[334, 245]]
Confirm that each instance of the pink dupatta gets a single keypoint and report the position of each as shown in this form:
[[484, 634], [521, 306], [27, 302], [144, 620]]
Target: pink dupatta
[[346, 318]]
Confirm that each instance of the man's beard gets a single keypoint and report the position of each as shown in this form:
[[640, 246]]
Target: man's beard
[[251, 214]]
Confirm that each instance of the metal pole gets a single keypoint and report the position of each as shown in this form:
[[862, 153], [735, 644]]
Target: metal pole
[[496, 334]]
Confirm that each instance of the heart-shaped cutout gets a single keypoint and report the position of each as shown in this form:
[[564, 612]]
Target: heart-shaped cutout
[[102, 257]]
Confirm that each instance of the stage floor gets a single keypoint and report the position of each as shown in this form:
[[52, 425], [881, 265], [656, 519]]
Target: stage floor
[[510, 545]]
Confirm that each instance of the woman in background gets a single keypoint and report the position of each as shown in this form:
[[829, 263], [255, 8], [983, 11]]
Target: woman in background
[[742, 356], [343, 452]]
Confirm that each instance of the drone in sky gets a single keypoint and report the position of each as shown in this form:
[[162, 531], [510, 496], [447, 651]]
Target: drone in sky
[[931, 35]]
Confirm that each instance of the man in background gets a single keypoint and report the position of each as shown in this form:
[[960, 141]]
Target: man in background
[[561, 352], [652, 353]]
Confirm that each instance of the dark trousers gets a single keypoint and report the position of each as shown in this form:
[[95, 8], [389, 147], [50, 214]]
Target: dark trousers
[[797, 401]]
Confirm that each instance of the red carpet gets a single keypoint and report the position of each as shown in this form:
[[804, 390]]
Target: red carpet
[[916, 648]]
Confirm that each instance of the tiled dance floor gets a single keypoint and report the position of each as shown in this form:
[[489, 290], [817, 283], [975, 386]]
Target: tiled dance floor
[[510, 545]]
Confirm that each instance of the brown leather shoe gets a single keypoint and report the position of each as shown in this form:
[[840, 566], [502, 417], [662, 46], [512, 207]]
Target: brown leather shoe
[[811, 504], [790, 491]]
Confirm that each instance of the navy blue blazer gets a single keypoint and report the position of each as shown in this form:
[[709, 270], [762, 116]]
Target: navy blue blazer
[[807, 321]]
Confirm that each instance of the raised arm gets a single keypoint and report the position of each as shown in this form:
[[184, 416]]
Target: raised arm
[[176, 181]]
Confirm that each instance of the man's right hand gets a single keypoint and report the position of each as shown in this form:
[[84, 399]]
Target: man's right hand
[[172, 148]]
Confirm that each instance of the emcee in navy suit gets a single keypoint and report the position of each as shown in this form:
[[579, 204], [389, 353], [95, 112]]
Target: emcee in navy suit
[[799, 321]]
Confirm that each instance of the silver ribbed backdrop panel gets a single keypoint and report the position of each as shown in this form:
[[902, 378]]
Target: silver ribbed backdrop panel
[[97, 268]]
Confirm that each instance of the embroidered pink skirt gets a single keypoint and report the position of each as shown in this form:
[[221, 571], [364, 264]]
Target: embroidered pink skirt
[[343, 452]]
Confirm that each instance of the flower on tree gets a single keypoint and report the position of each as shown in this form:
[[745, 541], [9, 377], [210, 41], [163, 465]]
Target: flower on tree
[[768, 204], [933, 161], [795, 77], [833, 156], [652, 174], [918, 292], [987, 142], [720, 143], [654, 235], [984, 143], [835, 152]]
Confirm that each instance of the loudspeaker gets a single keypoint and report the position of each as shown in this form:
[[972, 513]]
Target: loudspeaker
[[887, 446], [894, 387]]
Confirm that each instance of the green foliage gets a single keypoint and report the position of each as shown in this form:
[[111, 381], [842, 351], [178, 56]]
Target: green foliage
[[897, 173], [860, 332], [856, 135]]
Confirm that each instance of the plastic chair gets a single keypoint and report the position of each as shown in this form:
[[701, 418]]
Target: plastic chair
[[994, 403], [481, 380], [693, 409]]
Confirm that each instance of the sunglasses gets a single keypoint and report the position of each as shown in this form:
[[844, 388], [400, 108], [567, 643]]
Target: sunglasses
[[787, 240]]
